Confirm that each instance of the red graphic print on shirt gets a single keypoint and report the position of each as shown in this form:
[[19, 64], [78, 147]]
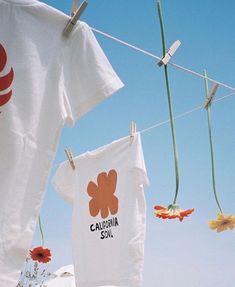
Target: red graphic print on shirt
[[5, 79], [103, 198]]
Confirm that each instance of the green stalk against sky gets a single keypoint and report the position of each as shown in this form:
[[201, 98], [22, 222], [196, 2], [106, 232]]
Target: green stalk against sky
[[211, 145], [41, 230], [173, 133]]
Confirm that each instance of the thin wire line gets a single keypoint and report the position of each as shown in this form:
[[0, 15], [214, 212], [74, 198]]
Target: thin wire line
[[167, 121], [159, 58], [126, 44], [215, 101], [222, 98]]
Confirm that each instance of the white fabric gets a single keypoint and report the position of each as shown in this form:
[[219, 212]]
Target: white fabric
[[64, 277], [53, 80], [108, 242]]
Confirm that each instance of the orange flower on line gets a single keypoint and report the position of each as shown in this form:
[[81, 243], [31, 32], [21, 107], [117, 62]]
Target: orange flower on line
[[103, 198], [171, 212], [40, 254], [222, 223]]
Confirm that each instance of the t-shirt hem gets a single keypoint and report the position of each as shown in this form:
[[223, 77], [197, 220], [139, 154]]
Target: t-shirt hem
[[105, 92]]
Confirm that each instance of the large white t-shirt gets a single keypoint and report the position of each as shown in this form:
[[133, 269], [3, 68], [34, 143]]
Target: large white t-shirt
[[109, 213], [45, 81]]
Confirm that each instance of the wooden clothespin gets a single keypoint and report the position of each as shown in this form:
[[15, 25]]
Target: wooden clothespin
[[74, 7], [132, 132], [70, 158], [211, 95], [73, 20], [169, 53]]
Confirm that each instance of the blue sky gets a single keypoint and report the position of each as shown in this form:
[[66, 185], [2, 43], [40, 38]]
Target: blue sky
[[184, 253]]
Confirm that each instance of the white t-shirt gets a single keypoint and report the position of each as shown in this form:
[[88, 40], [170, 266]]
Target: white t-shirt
[[109, 213], [62, 277], [45, 81]]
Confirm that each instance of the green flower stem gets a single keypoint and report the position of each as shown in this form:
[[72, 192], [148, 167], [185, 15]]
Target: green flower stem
[[169, 103], [41, 231], [211, 145]]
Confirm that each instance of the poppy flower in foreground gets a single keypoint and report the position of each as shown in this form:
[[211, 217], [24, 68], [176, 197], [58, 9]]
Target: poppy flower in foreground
[[222, 223], [40, 254], [171, 212]]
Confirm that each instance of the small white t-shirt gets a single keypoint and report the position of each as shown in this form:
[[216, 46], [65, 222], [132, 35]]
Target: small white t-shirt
[[45, 81], [109, 213]]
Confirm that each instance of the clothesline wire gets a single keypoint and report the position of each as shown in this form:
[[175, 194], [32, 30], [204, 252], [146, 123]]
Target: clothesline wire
[[159, 58], [176, 117], [186, 113], [167, 121], [174, 65]]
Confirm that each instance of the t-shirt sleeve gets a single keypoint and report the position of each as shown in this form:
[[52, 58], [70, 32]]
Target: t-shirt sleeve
[[139, 162], [88, 77], [64, 182]]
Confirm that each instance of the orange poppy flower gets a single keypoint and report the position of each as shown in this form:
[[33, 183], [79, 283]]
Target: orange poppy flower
[[40, 254], [171, 212]]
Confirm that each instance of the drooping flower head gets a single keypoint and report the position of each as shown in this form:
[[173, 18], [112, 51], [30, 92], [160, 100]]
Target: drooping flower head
[[40, 254], [171, 212], [222, 223]]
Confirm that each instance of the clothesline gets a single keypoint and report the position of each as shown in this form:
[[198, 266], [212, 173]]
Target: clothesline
[[176, 66], [186, 113], [176, 117], [159, 58]]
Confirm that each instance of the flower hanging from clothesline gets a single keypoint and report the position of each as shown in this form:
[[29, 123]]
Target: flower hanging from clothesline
[[171, 212], [40, 254], [222, 223]]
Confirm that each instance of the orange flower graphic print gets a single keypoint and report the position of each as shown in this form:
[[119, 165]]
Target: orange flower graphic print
[[103, 198], [5, 80]]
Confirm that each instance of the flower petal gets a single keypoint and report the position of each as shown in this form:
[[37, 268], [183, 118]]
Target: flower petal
[[159, 207], [173, 211], [40, 254], [222, 223]]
